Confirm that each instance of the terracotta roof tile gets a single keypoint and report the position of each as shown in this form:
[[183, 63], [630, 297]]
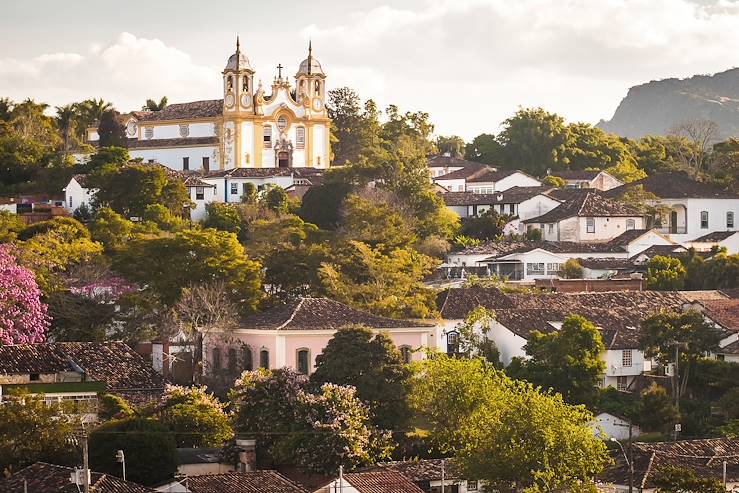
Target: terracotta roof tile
[[456, 303], [248, 482], [724, 313], [586, 205], [674, 186], [32, 358], [422, 470], [381, 482], [49, 478], [467, 173], [196, 109], [320, 314], [514, 195], [250, 173], [441, 161], [716, 236]]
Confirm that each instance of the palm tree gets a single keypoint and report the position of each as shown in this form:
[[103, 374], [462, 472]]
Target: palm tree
[[152, 105], [90, 111], [66, 118]]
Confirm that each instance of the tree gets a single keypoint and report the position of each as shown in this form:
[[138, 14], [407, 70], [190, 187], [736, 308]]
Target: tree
[[110, 131], [665, 274], [130, 189], [505, 432], [194, 416], [151, 453], [250, 194], [553, 181], [355, 129], [105, 158], [32, 430], [387, 284], [170, 264], [484, 149], [672, 479], [91, 113], [152, 105], [572, 269], [473, 336], [163, 218], [534, 141], [113, 407], [23, 317], [486, 227], [729, 403], [372, 364], [10, 225], [321, 205], [656, 153], [372, 222], [453, 145], [567, 360], [110, 228], [224, 217], [678, 337], [275, 199], [658, 412], [700, 135], [66, 118]]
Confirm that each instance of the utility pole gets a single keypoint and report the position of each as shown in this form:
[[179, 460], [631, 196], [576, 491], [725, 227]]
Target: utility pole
[[443, 462], [677, 383], [85, 464], [631, 459]]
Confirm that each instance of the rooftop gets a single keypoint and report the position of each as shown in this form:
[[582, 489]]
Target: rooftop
[[723, 312], [422, 470], [247, 482], [175, 142], [466, 173], [50, 478], [320, 314], [442, 161], [715, 236], [514, 195], [674, 186], [586, 205], [381, 481], [209, 108], [456, 303], [577, 174]]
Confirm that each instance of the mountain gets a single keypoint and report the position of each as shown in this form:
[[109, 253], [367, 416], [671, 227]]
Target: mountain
[[653, 108]]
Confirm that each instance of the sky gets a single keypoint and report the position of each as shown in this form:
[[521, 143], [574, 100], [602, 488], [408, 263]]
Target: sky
[[469, 63]]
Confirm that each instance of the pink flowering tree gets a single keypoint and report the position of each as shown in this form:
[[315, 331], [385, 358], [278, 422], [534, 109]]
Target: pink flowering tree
[[23, 316]]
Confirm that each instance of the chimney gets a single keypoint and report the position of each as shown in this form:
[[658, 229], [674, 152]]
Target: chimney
[[247, 455]]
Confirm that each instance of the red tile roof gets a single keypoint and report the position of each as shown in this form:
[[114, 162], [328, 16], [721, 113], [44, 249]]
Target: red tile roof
[[248, 482], [381, 482], [50, 478]]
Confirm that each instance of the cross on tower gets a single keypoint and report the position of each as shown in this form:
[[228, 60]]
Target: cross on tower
[[279, 70]]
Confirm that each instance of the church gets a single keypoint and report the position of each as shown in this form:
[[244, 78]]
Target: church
[[289, 128]]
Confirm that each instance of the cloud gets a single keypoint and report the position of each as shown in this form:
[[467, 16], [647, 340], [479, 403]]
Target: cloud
[[127, 72]]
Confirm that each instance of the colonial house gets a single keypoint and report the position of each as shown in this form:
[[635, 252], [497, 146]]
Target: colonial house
[[41, 477], [609, 425], [718, 239], [693, 209], [77, 193], [521, 202], [597, 179], [201, 194], [455, 181], [234, 482], [724, 314], [430, 474], [78, 371], [374, 481], [709, 458], [587, 218], [231, 184], [293, 334], [485, 179], [443, 164]]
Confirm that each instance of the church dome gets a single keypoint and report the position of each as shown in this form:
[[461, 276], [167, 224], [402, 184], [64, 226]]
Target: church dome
[[243, 62], [310, 66]]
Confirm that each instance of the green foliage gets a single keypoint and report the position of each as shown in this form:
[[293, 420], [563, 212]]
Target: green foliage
[[153, 105], [375, 224], [321, 205], [658, 410], [567, 360], [665, 274], [719, 271], [224, 217], [374, 366], [473, 340], [672, 479], [730, 429], [387, 284], [452, 145], [275, 199], [250, 193], [110, 131], [31, 431], [70, 228], [504, 432], [729, 403], [194, 416], [129, 190], [553, 181], [619, 403], [572, 269], [105, 157], [151, 454], [169, 264], [462, 241], [484, 149], [10, 225], [163, 218], [533, 234], [355, 128], [113, 407], [487, 226], [534, 141], [110, 228]]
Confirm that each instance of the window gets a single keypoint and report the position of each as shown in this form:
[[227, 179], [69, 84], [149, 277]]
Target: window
[[267, 132], [452, 343], [199, 193], [232, 360], [626, 357], [535, 268], [281, 123], [471, 485], [34, 377], [406, 353], [216, 358], [554, 268], [234, 188], [303, 359], [318, 88], [730, 220], [246, 362], [318, 161], [721, 357], [704, 219], [300, 137], [590, 224], [551, 227], [512, 208], [185, 163], [264, 359], [206, 164], [622, 383], [630, 224], [70, 201]]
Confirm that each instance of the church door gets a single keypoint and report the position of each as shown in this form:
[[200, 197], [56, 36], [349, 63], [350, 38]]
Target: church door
[[283, 160]]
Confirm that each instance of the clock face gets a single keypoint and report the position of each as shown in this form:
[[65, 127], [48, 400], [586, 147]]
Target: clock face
[[317, 104], [246, 100], [229, 100]]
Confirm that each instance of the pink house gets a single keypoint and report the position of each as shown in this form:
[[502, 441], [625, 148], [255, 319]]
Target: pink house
[[293, 334]]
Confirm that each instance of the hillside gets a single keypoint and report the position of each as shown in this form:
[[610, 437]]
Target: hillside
[[654, 107]]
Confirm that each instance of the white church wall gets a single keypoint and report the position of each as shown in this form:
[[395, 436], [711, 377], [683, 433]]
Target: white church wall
[[171, 157], [319, 146], [172, 131], [247, 144], [75, 195]]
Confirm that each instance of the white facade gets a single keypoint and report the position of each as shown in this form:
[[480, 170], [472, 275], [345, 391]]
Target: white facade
[[589, 229], [75, 195], [608, 425], [230, 188], [201, 196], [623, 366], [731, 244], [453, 185], [198, 158], [517, 179], [690, 218]]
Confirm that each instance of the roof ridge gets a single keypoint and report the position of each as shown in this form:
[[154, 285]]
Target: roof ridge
[[648, 470], [292, 315]]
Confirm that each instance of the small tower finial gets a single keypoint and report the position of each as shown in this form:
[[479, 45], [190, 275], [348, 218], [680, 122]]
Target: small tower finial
[[310, 47], [238, 47]]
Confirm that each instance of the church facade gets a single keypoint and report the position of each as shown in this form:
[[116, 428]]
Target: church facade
[[289, 128]]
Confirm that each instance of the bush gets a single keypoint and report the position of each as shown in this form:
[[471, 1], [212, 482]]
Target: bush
[[113, 407], [572, 269]]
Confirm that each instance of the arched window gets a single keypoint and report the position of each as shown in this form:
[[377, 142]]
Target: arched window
[[406, 353], [281, 123], [630, 224], [230, 82], [730, 220], [246, 361], [300, 137], [318, 88], [232, 360], [303, 361], [267, 131], [245, 84], [216, 358], [704, 219], [452, 343], [264, 359]]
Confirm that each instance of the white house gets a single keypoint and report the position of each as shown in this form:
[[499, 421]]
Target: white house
[[201, 193], [610, 425], [720, 239], [455, 181], [597, 179], [77, 193], [693, 209], [443, 164], [522, 202], [372, 481], [587, 218], [429, 474]]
